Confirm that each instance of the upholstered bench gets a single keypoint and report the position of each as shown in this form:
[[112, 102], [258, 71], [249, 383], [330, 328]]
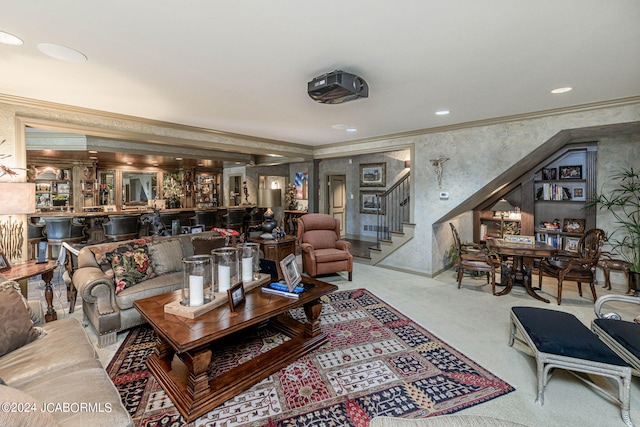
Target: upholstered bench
[[560, 340]]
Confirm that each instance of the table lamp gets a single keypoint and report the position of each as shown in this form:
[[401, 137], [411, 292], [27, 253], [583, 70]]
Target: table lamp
[[16, 198], [269, 198], [502, 206]]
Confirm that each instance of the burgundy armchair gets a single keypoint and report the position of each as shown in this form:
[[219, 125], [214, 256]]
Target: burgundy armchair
[[323, 251]]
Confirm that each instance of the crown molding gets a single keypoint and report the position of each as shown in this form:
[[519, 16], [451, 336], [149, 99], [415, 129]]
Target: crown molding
[[485, 122]]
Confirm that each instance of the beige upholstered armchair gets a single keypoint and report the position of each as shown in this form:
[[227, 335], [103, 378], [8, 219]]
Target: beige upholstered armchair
[[323, 251]]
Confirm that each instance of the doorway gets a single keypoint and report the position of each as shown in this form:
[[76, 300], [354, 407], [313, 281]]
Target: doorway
[[337, 199]]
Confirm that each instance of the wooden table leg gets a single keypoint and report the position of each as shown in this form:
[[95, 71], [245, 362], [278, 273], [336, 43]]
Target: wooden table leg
[[48, 295], [312, 310], [197, 362]]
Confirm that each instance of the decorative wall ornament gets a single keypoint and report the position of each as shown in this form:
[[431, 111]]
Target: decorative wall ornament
[[438, 164]]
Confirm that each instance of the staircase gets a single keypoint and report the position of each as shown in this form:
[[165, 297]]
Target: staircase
[[393, 226]]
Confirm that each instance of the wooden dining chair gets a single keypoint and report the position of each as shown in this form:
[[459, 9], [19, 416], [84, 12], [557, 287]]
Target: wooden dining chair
[[579, 267], [474, 257]]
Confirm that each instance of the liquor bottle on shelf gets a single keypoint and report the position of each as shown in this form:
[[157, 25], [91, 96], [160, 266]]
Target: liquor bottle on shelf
[[104, 194]]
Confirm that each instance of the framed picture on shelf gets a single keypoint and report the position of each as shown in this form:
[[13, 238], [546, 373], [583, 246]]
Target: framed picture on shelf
[[4, 262], [571, 244], [373, 175], [571, 225], [549, 174], [570, 172], [236, 296], [578, 193], [369, 203]]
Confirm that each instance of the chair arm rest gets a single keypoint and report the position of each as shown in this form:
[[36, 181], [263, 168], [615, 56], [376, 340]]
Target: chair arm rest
[[600, 302], [306, 247], [343, 245], [95, 287]]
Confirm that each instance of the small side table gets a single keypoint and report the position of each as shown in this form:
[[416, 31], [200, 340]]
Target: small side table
[[30, 269], [276, 249]]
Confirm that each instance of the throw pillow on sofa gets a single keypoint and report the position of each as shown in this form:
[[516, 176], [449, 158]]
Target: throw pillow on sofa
[[17, 328], [130, 266], [100, 252], [166, 257]]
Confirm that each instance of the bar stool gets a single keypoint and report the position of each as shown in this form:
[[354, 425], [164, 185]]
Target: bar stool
[[62, 229], [34, 236], [234, 219], [121, 227], [204, 218]]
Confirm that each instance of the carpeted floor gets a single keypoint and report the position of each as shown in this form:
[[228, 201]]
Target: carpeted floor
[[378, 362]]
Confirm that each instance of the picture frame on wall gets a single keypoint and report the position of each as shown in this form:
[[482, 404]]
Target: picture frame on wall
[[373, 175], [369, 203], [570, 172]]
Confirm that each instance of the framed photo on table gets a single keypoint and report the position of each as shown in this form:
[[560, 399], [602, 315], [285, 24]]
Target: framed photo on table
[[236, 296], [549, 174], [290, 272], [4, 262], [373, 175]]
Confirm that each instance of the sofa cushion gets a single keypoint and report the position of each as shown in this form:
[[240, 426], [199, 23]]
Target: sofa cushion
[[157, 286], [33, 417], [65, 347], [17, 327], [331, 255], [86, 384], [166, 257], [130, 266]]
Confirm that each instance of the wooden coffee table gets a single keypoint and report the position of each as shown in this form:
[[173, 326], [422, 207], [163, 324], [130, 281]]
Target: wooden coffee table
[[184, 348]]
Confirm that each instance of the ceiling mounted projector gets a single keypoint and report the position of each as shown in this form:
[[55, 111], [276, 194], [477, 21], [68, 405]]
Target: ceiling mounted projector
[[337, 87]]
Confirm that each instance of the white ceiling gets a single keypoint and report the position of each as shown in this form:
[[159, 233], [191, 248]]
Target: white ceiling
[[243, 66]]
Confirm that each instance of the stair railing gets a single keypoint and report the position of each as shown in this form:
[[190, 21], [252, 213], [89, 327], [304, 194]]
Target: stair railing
[[393, 209]]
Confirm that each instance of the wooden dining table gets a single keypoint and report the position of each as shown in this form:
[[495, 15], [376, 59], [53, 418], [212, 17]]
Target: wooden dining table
[[520, 273]]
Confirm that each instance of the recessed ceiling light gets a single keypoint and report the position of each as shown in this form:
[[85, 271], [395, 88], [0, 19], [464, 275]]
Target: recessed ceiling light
[[442, 112], [129, 163], [155, 164], [93, 152], [340, 126], [562, 89], [62, 53], [6, 38], [352, 129], [200, 164], [178, 158], [93, 157]]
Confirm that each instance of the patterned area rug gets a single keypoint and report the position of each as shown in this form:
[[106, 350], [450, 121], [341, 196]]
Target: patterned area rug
[[378, 362]]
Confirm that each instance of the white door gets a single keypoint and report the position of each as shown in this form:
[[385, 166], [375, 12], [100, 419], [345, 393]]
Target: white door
[[338, 200]]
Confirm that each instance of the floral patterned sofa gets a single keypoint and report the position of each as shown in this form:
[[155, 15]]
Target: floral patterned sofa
[[111, 276]]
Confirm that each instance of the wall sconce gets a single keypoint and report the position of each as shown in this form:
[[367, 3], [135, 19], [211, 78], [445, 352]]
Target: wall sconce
[[16, 198], [502, 206]]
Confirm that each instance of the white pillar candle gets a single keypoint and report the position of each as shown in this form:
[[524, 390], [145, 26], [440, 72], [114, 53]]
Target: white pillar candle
[[224, 278], [196, 290], [247, 269]]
